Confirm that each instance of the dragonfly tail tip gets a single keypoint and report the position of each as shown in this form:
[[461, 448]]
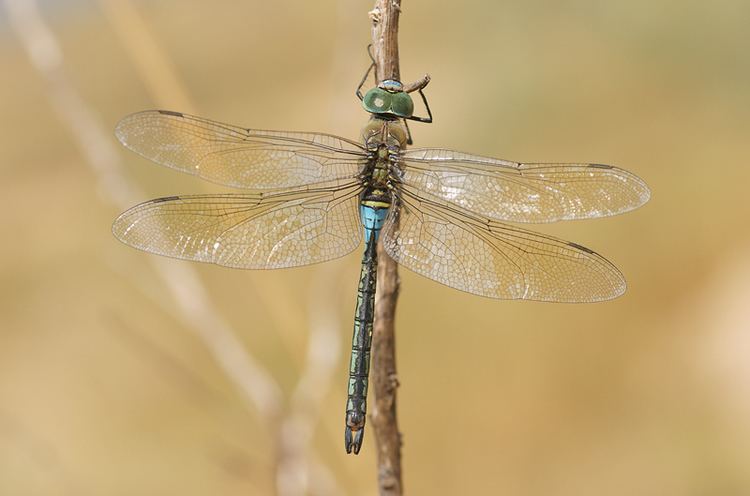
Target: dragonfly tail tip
[[353, 440]]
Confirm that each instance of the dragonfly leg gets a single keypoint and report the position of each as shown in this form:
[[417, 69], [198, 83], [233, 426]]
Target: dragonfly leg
[[364, 78], [426, 120], [409, 141]]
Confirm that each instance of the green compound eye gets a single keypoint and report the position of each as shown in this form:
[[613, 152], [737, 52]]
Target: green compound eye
[[402, 105], [377, 101]]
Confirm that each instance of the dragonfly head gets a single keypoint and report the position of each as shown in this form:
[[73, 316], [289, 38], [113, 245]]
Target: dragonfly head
[[388, 99]]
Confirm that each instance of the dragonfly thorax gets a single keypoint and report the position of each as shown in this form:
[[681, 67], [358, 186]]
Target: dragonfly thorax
[[382, 131]]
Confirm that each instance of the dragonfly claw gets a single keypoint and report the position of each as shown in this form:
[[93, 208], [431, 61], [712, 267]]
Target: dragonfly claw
[[353, 439]]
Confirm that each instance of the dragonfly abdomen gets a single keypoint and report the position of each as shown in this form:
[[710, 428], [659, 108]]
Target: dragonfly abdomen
[[373, 214]]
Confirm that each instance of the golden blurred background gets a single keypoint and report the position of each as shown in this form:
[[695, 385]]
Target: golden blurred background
[[124, 373]]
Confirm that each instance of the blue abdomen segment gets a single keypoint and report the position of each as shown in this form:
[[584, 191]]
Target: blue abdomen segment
[[373, 219]]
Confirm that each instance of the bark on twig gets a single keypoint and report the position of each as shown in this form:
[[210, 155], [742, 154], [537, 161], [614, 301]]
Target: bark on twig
[[384, 18]]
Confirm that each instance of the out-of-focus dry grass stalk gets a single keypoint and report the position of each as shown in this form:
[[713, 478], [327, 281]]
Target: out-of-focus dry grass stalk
[[147, 56], [297, 472], [95, 143]]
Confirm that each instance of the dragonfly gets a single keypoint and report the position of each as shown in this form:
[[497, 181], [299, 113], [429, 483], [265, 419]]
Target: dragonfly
[[312, 197]]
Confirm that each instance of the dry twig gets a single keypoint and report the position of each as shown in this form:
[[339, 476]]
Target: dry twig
[[384, 18]]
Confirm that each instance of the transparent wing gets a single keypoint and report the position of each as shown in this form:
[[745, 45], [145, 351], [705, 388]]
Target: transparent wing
[[511, 191], [488, 258], [249, 231], [239, 157]]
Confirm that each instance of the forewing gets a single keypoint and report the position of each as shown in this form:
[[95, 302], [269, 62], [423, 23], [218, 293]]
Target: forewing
[[248, 231], [511, 191], [492, 259], [239, 157]]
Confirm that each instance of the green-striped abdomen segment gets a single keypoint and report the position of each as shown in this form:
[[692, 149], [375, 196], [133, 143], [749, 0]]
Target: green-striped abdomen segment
[[359, 365]]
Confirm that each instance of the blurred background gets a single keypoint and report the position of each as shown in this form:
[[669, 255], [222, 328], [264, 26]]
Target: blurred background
[[125, 373]]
